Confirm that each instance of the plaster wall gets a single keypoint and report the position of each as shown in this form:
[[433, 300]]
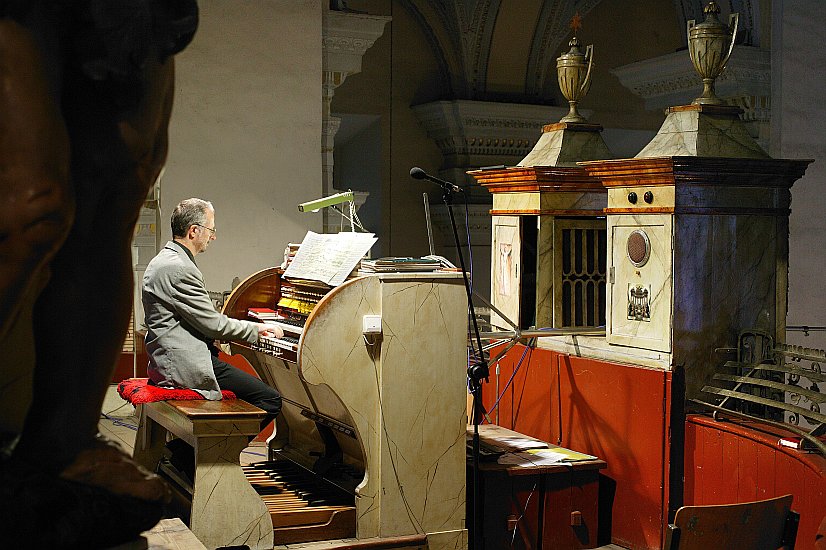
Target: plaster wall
[[246, 131], [798, 122]]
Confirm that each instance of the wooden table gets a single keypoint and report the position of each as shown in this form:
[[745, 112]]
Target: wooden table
[[529, 506]]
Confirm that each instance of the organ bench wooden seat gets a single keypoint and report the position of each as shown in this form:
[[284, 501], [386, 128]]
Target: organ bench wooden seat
[[217, 431]]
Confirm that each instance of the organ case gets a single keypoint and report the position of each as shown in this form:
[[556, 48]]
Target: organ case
[[390, 407]]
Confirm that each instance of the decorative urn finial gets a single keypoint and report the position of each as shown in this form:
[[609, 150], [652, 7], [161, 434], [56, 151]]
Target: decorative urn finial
[[574, 74], [710, 44]]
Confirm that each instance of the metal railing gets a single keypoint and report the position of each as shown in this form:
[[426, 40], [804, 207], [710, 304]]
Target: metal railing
[[777, 384]]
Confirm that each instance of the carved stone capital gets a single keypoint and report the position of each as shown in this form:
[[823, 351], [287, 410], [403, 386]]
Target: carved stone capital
[[345, 38]]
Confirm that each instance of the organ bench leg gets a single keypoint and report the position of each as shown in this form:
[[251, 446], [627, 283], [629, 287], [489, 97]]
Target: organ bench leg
[[225, 509]]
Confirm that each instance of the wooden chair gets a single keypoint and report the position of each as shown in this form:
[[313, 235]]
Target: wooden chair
[[762, 525]]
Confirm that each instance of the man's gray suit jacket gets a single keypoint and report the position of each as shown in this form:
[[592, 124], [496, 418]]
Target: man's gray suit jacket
[[181, 321]]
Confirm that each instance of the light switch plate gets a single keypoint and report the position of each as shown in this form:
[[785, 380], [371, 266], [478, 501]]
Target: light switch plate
[[371, 324]]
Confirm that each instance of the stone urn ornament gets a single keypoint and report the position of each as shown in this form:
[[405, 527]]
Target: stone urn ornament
[[574, 74], [710, 44]]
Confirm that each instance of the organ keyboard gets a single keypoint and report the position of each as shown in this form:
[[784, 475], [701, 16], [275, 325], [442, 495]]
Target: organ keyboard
[[377, 421], [289, 326]]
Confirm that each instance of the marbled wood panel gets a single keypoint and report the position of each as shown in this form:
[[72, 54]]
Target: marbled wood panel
[[730, 196], [292, 427], [674, 137], [546, 151], [725, 270], [448, 540], [663, 196], [505, 277], [545, 272], [565, 147], [589, 202], [516, 201], [423, 398], [334, 353], [405, 392], [226, 510], [597, 347], [689, 133], [172, 534], [655, 275]]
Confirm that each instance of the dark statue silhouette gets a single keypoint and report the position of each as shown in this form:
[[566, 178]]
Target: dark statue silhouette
[[85, 102]]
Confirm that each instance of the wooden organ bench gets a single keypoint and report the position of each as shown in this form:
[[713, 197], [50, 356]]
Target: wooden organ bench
[[214, 502]]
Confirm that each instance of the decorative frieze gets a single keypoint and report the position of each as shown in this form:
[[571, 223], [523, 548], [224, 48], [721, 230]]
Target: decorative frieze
[[346, 37], [671, 80], [472, 134]]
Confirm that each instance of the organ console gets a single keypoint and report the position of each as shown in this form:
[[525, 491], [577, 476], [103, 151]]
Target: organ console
[[370, 442]]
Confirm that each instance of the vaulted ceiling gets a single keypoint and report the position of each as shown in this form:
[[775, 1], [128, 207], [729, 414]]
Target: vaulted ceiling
[[523, 39]]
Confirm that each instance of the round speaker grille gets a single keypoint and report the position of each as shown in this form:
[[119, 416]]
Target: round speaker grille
[[639, 247]]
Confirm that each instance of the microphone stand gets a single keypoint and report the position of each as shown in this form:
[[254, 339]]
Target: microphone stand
[[477, 371]]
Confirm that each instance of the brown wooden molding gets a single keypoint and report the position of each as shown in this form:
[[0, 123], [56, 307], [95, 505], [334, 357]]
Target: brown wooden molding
[[538, 212], [714, 171], [710, 211]]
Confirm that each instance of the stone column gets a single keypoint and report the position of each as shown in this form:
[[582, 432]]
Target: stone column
[[346, 37]]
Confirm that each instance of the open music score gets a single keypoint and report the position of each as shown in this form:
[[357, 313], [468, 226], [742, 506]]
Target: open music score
[[329, 258]]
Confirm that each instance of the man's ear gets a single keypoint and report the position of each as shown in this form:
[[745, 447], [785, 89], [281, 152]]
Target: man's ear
[[191, 232]]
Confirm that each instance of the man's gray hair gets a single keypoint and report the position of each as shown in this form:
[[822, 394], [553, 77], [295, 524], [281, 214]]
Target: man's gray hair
[[189, 212]]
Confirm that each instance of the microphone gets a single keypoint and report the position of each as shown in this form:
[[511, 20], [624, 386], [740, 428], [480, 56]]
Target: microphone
[[419, 174]]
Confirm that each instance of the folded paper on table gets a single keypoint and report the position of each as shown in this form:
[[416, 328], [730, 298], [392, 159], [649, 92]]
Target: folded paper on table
[[543, 457]]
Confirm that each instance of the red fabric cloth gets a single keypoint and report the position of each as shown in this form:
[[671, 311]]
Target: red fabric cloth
[[138, 391]]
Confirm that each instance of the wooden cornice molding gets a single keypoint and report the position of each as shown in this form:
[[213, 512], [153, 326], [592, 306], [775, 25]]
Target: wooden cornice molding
[[537, 179], [687, 170]]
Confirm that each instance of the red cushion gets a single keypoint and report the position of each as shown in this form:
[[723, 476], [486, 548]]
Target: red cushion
[[137, 391]]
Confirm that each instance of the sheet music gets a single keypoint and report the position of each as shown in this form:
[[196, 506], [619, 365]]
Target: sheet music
[[330, 257], [543, 457]]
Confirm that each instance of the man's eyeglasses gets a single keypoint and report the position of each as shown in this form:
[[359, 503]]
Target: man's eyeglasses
[[210, 229]]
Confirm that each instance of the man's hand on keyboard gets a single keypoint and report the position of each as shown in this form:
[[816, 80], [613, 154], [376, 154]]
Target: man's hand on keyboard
[[270, 331]]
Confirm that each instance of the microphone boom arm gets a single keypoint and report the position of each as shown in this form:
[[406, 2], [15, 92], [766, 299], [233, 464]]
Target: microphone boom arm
[[419, 174]]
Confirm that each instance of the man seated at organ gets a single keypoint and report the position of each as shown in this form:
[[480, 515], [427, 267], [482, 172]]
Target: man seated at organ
[[182, 322]]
